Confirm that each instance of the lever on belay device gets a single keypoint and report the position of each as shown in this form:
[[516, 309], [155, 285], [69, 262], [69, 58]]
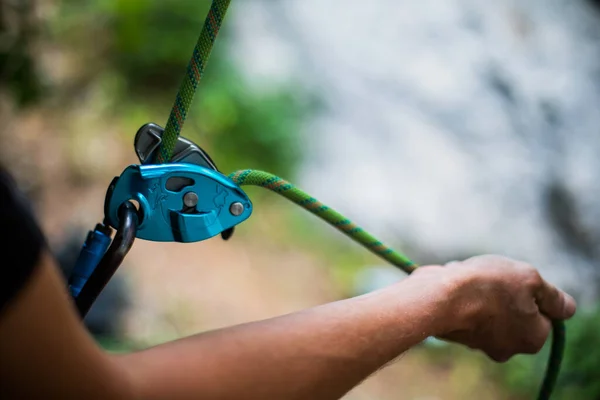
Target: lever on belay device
[[177, 194]]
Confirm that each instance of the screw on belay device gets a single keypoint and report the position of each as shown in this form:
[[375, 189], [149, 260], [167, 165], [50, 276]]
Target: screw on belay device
[[177, 194]]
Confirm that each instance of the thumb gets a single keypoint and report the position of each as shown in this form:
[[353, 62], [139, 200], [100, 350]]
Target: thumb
[[555, 303]]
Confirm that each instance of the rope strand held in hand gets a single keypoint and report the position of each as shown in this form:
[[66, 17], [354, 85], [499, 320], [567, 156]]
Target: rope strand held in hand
[[284, 188]]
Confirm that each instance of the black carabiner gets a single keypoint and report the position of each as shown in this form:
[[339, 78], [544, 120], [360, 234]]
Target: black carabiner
[[112, 259]]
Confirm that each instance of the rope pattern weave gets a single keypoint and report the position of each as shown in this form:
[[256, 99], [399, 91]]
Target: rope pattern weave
[[194, 73], [335, 219]]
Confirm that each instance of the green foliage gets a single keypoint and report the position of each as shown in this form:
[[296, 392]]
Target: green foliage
[[20, 77], [249, 130], [152, 40], [580, 369], [18, 69], [145, 47]]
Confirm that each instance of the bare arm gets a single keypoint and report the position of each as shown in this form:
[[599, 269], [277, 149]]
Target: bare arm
[[45, 349], [319, 353]]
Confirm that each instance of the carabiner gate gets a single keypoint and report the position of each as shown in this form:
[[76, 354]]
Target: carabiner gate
[[112, 258]]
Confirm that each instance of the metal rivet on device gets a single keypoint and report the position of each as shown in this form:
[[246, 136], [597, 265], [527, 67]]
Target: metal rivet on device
[[190, 199], [236, 208]]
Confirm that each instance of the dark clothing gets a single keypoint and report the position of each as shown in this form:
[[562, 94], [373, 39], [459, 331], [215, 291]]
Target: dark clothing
[[21, 242]]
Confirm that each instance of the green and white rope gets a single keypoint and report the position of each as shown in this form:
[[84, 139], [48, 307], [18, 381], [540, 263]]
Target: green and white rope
[[173, 128]]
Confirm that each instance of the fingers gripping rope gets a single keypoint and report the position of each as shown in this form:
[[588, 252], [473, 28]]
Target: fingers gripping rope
[[282, 187]]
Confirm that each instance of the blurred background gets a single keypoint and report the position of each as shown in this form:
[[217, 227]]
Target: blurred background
[[448, 128]]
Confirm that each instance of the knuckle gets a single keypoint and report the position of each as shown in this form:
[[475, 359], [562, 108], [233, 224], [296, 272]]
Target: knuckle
[[532, 278]]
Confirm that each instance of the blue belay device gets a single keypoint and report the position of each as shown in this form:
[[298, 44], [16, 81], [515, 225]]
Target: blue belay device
[[177, 202], [161, 192]]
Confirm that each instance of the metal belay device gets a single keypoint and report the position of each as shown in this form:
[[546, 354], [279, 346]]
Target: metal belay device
[[185, 201]]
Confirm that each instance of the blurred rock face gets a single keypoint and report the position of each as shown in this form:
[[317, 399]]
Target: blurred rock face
[[458, 126]]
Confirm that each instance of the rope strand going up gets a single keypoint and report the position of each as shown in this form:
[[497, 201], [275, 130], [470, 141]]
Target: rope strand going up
[[194, 73]]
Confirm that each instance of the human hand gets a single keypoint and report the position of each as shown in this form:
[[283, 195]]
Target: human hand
[[497, 305]]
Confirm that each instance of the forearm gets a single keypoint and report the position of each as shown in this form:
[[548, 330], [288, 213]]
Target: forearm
[[320, 353]]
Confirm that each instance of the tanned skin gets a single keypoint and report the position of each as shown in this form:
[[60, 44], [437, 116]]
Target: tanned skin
[[496, 305]]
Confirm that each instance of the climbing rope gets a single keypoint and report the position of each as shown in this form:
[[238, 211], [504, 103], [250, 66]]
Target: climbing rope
[[173, 128], [283, 188], [194, 73], [251, 177]]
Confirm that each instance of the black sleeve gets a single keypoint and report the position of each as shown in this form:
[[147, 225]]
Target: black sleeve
[[21, 242]]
